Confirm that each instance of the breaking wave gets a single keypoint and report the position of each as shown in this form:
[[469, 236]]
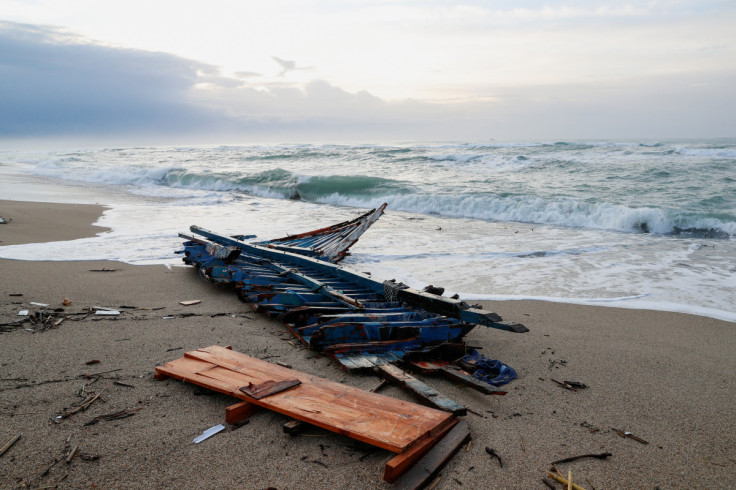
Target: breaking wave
[[598, 185]]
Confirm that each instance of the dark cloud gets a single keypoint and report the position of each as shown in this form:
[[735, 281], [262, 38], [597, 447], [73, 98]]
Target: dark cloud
[[52, 82]]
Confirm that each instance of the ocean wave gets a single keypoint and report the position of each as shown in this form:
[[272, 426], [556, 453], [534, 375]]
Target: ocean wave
[[707, 152]]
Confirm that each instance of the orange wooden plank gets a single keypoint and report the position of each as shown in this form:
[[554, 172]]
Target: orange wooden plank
[[369, 417], [402, 461], [257, 368], [240, 411]]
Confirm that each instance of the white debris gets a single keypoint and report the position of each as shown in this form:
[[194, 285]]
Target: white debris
[[209, 433], [107, 312], [23, 313]]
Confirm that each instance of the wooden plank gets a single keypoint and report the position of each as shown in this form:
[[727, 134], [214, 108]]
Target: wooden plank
[[240, 411], [457, 374], [294, 426], [422, 389], [268, 388], [402, 461], [376, 419], [432, 462]]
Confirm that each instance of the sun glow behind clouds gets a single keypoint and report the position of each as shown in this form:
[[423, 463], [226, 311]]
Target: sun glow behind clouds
[[422, 50]]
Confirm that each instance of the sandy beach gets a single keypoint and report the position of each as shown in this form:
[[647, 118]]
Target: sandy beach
[[668, 379]]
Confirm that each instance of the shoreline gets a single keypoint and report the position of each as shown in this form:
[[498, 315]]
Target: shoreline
[[668, 378]]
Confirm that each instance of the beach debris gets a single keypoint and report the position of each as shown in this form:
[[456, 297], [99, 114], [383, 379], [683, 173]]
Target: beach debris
[[490, 371], [556, 363], [570, 385], [565, 481], [23, 313], [81, 407], [120, 383], [629, 435], [104, 269], [190, 302], [72, 453], [268, 388], [360, 322], [9, 444], [42, 305], [395, 425], [3, 221], [209, 433], [114, 416], [66, 302], [548, 484], [494, 454], [582, 456], [434, 460], [93, 361], [15, 294], [283, 364], [107, 312]]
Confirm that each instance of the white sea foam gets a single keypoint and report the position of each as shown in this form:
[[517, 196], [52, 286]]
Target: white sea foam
[[520, 220]]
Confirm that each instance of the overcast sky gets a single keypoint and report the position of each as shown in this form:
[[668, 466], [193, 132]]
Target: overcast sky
[[235, 71]]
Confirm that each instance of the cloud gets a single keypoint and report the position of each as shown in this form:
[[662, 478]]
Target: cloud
[[53, 82]]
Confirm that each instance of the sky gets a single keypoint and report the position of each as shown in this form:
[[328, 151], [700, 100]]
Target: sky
[[238, 71]]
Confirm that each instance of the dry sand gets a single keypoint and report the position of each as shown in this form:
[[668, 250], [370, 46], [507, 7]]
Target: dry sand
[[669, 379]]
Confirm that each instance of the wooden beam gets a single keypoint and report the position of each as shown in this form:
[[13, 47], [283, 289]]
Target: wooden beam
[[425, 391], [401, 462], [432, 462], [240, 411]]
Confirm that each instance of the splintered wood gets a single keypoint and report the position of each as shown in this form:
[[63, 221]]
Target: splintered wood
[[376, 419]]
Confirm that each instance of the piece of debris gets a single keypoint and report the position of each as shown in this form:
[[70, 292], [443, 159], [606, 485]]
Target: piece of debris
[[72, 453], [15, 294], [66, 302], [93, 361], [42, 305], [81, 407], [491, 371], [629, 435], [570, 385], [114, 416], [190, 302], [360, 322], [582, 456], [23, 313], [102, 270], [120, 383], [283, 364], [107, 312], [268, 388], [208, 433], [494, 454], [10, 444], [3, 221], [391, 424], [565, 481]]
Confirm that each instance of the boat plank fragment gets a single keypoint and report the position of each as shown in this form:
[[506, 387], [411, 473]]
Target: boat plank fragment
[[388, 423]]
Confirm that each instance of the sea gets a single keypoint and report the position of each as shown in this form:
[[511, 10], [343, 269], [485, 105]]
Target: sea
[[634, 224]]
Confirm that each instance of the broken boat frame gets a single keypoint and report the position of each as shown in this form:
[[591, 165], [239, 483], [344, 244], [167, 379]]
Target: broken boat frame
[[359, 321]]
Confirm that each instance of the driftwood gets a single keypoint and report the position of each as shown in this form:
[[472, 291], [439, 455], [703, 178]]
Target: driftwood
[[629, 435], [10, 444], [564, 481], [582, 456]]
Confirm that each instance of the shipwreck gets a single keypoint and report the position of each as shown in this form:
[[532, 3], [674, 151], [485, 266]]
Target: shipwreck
[[359, 321]]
